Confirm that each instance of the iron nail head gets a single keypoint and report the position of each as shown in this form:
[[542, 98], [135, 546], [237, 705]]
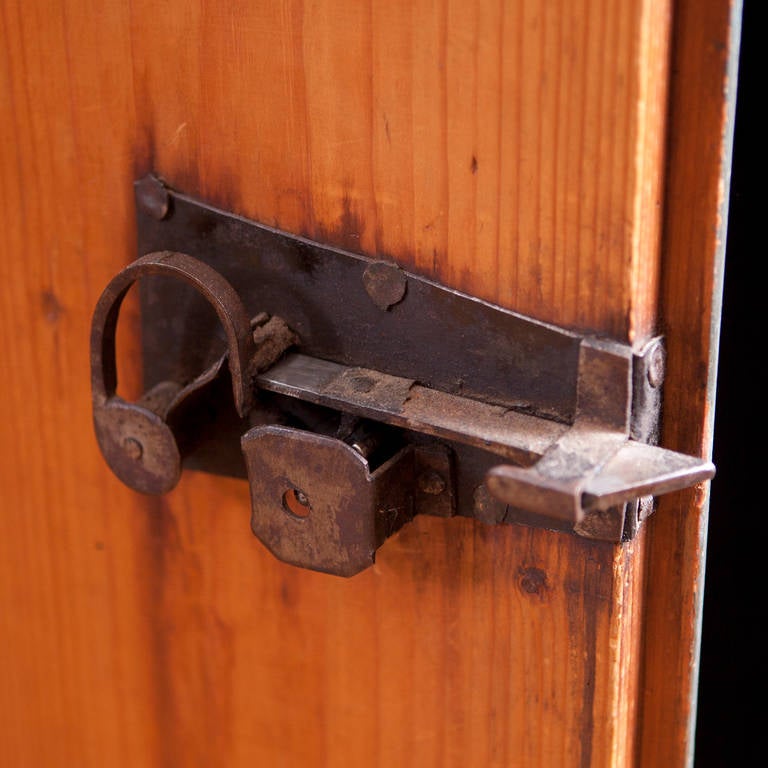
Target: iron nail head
[[153, 197], [385, 283]]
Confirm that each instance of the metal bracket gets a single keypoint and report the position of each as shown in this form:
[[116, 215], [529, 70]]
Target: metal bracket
[[359, 394]]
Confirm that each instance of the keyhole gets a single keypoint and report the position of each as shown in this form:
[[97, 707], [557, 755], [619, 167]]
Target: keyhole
[[296, 503]]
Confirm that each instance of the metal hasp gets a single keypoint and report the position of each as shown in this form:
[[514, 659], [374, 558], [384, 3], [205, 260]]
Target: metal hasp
[[353, 395]]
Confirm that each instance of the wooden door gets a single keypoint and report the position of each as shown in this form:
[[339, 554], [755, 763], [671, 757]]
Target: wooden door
[[567, 160]]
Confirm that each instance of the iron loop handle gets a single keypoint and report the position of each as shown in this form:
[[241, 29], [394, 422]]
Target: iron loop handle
[[134, 438]]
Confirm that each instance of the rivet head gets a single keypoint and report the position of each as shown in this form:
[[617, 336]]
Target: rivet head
[[385, 283], [153, 197], [431, 482], [656, 365], [133, 448]]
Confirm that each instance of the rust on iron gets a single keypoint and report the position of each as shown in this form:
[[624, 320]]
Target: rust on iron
[[353, 395], [431, 482], [153, 197], [604, 524], [352, 508], [440, 337], [487, 508], [435, 492], [405, 403], [594, 466], [135, 438], [656, 365], [271, 338], [134, 450], [385, 283]]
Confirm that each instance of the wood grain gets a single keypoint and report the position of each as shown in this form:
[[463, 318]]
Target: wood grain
[[513, 150], [75, 669], [702, 101]]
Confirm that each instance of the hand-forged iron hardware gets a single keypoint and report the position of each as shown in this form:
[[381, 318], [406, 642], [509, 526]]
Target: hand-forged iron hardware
[[354, 395]]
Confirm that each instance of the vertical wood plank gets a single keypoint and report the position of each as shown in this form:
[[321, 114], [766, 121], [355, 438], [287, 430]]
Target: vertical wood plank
[[702, 100], [513, 149], [510, 149], [76, 668]]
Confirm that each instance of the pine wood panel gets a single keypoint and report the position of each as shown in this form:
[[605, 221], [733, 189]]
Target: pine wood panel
[[512, 150], [702, 103]]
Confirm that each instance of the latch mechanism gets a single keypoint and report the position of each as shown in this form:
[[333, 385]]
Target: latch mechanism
[[353, 395]]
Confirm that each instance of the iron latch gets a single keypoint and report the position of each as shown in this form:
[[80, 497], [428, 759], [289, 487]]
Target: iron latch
[[354, 395]]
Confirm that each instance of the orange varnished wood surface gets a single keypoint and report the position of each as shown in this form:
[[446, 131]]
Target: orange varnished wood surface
[[701, 103], [513, 150]]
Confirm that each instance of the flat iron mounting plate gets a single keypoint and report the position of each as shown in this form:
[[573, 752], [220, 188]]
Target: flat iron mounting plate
[[542, 425]]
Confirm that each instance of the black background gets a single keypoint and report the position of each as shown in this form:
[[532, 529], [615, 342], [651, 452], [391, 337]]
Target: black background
[[732, 722]]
